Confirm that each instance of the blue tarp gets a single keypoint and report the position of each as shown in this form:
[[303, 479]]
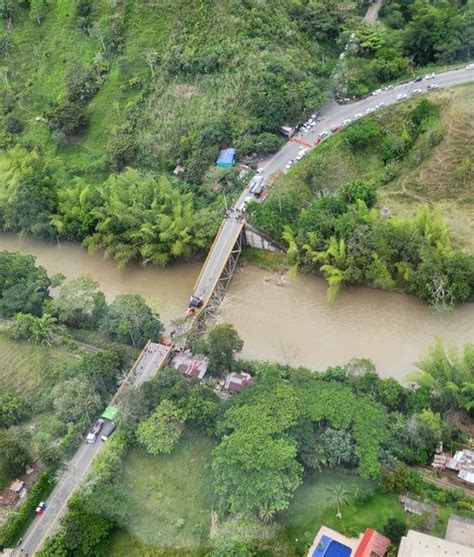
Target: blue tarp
[[226, 158]]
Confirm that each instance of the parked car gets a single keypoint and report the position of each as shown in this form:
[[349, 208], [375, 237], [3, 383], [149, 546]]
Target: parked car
[[470, 67], [418, 79], [401, 96], [301, 154], [323, 134], [432, 86], [335, 127], [369, 110], [347, 121], [379, 105], [357, 116], [430, 75], [289, 164], [376, 92], [416, 92]]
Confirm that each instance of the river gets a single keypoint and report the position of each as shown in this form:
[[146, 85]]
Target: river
[[278, 319]]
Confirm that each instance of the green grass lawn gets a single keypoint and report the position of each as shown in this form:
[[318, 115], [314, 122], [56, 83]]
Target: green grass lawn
[[175, 497], [26, 367], [266, 259]]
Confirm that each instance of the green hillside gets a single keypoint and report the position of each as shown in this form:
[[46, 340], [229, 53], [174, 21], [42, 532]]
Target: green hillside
[[386, 202], [194, 74]]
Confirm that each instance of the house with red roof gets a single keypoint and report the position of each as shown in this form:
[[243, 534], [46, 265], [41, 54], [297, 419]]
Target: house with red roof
[[330, 543]]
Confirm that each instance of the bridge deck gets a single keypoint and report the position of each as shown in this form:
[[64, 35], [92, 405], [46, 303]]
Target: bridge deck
[[217, 258]]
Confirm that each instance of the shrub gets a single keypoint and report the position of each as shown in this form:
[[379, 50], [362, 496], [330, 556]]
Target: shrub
[[69, 118], [362, 133], [81, 83], [14, 124]]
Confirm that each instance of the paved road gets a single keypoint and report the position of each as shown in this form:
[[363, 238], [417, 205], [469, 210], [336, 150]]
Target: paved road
[[42, 526], [373, 11], [332, 114]]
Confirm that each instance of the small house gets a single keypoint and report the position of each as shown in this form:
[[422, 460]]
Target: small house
[[237, 382], [463, 463], [226, 158], [191, 365], [10, 495]]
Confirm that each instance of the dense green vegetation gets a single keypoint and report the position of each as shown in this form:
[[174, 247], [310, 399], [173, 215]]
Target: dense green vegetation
[[272, 442], [50, 392], [410, 34], [324, 210], [111, 85]]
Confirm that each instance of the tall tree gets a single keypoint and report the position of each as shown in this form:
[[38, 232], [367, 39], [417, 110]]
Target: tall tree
[[144, 218], [79, 303], [162, 430], [223, 344], [131, 321], [340, 496], [23, 286]]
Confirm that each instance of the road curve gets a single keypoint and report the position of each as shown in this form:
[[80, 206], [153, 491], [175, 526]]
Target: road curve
[[332, 114]]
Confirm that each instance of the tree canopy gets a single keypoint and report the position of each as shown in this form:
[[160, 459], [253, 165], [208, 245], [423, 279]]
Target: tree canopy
[[162, 430], [129, 320], [23, 286]]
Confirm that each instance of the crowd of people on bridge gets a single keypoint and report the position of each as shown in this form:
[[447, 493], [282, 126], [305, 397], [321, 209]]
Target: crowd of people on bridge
[[235, 214]]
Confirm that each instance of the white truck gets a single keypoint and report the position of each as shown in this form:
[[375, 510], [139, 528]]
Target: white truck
[[94, 432]]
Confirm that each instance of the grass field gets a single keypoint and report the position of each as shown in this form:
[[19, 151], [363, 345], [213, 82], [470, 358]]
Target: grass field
[[446, 177], [175, 497], [26, 368]]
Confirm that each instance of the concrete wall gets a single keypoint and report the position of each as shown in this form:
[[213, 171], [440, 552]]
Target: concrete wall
[[258, 239]]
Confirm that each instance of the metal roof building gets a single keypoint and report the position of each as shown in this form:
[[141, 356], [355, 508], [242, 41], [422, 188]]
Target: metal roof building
[[226, 158]]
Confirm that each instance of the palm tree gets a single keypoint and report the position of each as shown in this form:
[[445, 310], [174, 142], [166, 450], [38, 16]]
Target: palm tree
[[43, 329], [340, 495], [266, 514]]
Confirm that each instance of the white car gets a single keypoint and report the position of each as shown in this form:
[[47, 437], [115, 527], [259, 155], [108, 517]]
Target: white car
[[323, 134], [346, 122], [369, 110], [376, 92], [380, 105], [357, 116], [470, 67], [416, 92], [430, 76], [432, 86], [289, 164], [301, 154], [402, 96]]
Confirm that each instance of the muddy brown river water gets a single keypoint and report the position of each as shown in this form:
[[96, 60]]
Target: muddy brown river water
[[278, 319]]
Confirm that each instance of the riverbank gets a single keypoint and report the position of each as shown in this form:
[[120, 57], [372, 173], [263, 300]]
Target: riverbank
[[278, 319]]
